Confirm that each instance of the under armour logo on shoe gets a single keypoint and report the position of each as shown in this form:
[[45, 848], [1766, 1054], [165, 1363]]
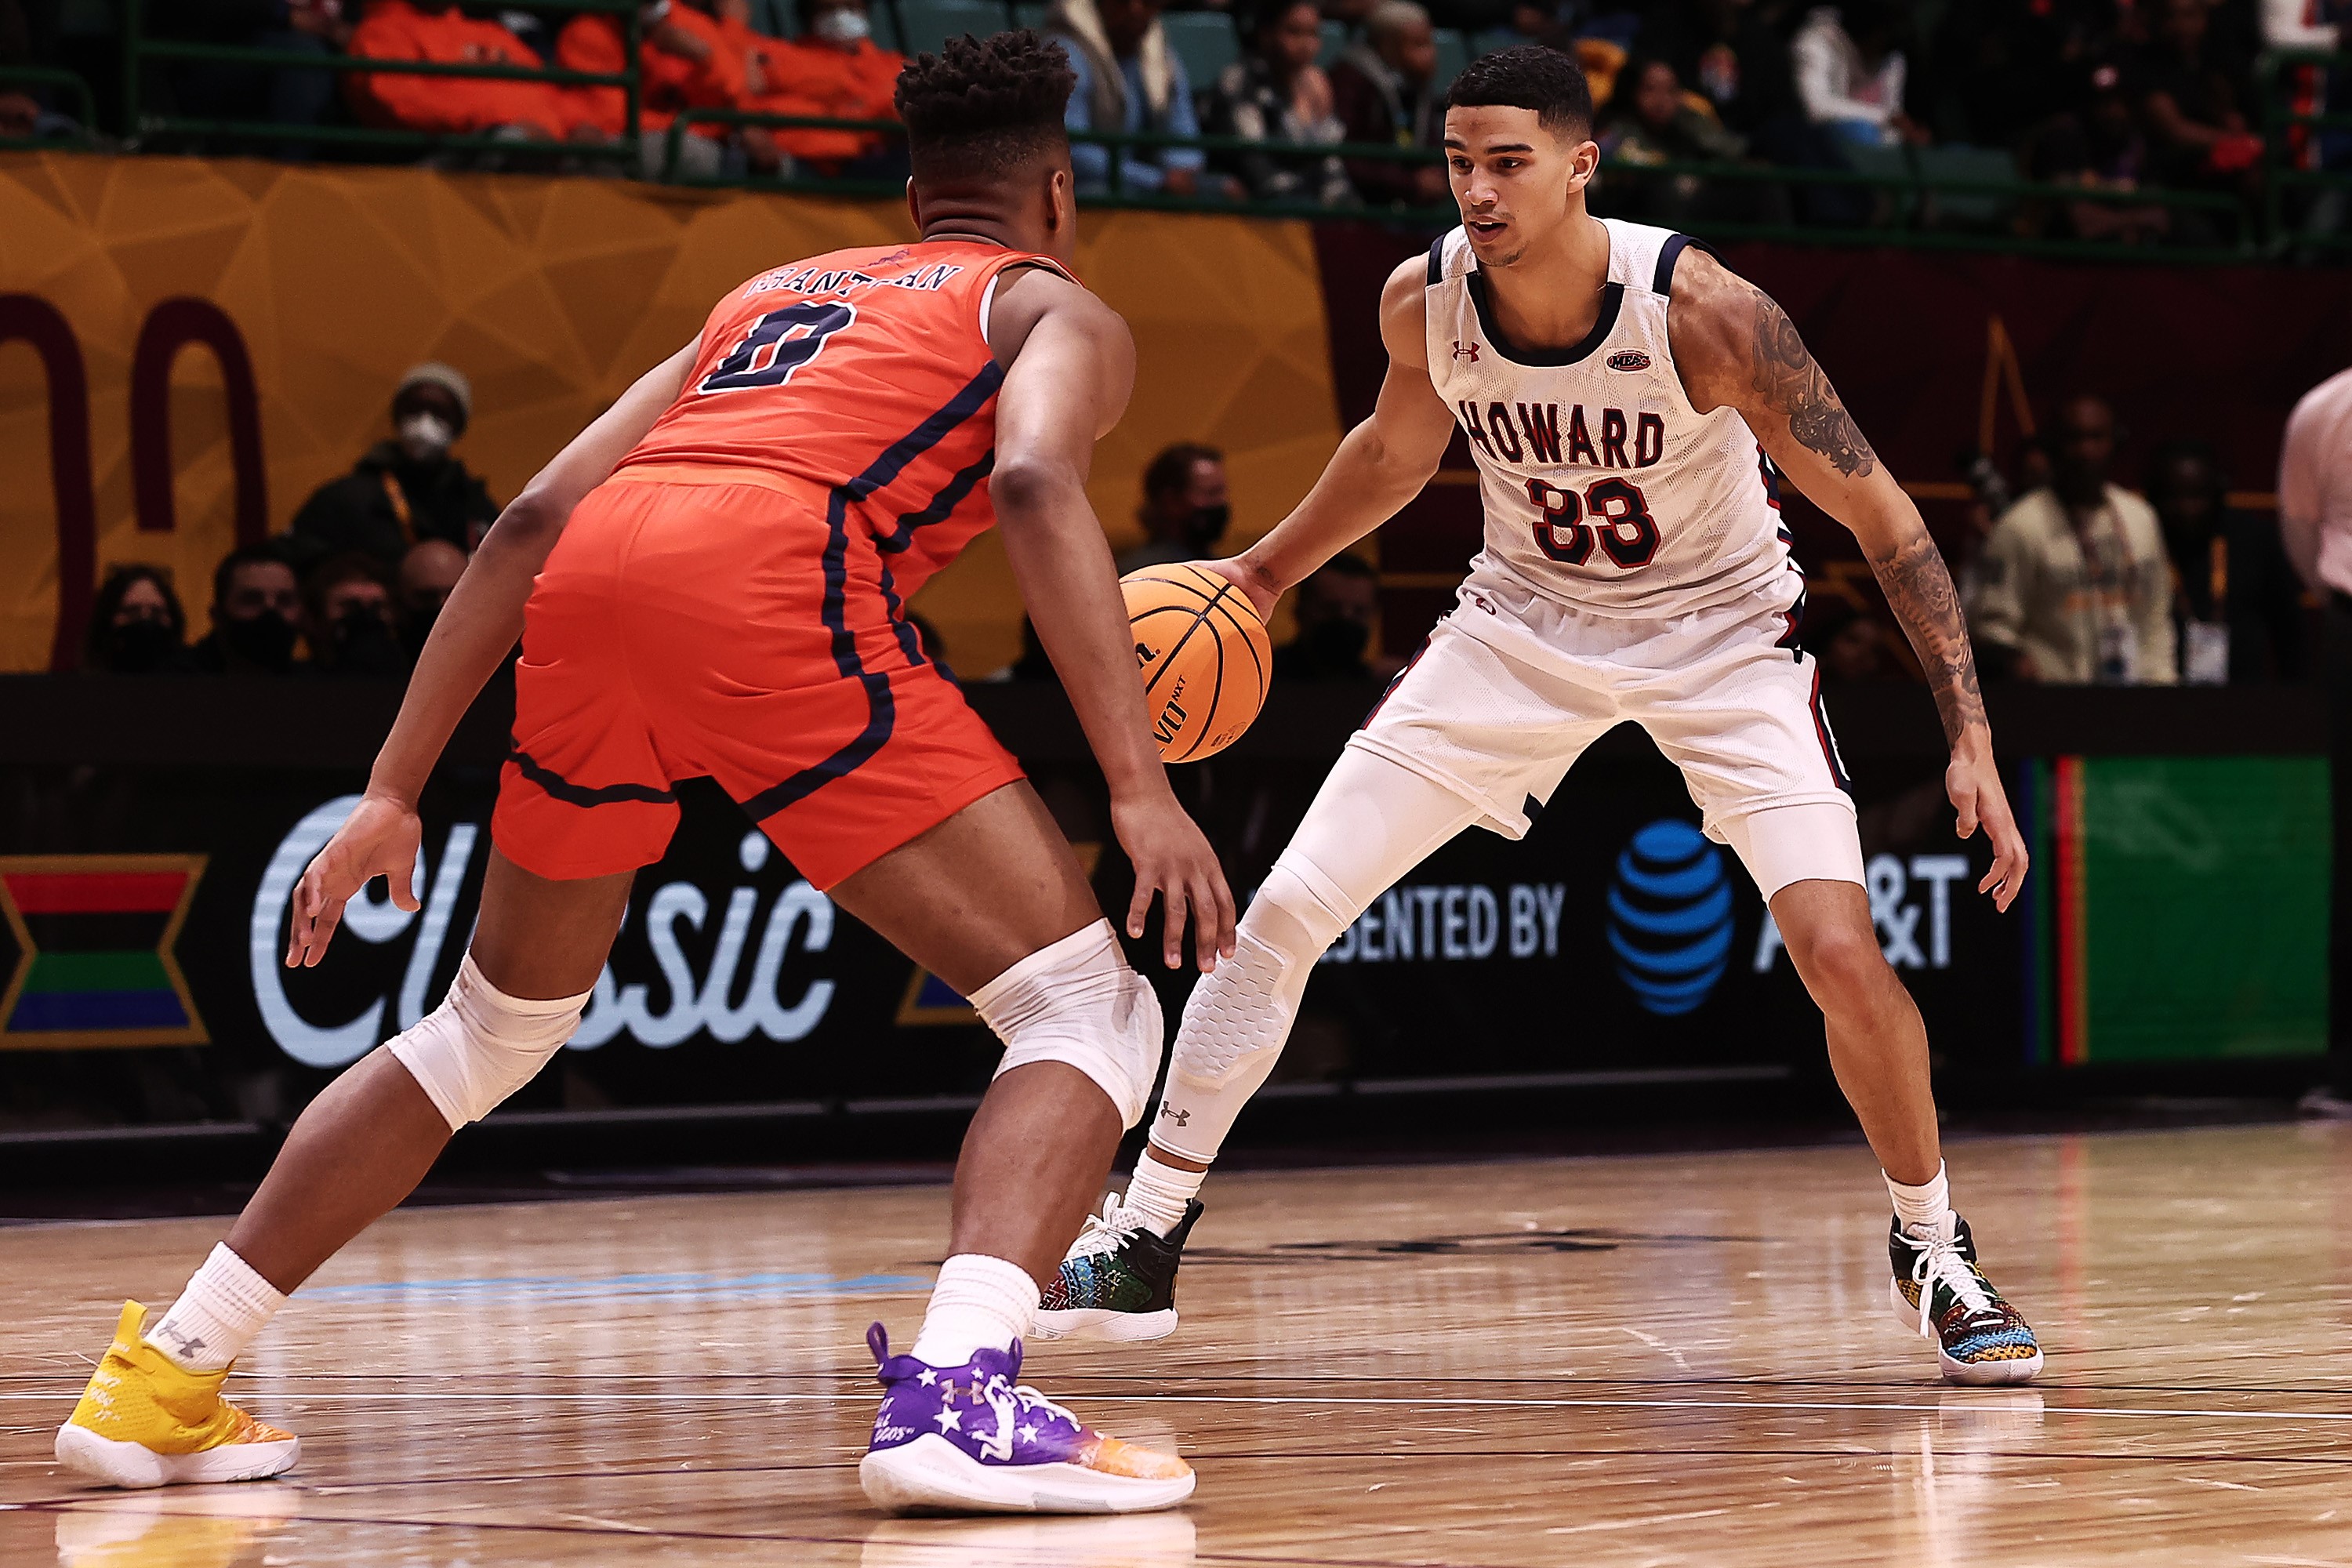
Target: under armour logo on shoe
[[1170, 1113], [1465, 350]]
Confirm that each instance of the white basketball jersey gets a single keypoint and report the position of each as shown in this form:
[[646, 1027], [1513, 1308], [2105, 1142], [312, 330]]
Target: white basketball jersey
[[1603, 489]]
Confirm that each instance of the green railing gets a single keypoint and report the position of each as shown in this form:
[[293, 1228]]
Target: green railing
[[1913, 207], [43, 76]]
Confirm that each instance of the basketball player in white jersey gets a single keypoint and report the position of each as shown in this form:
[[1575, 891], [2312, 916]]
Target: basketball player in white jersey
[[1627, 399]]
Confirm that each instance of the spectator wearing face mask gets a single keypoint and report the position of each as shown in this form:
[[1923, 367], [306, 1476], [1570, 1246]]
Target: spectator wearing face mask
[[835, 69], [427, 574], [406, 489], [136, 625], [257, 615], [348, 620], [1335, 610], [1185, 507]]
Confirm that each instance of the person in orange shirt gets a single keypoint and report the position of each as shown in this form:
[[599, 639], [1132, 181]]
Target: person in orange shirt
[[836, 67], [437, 31], [682, 61]]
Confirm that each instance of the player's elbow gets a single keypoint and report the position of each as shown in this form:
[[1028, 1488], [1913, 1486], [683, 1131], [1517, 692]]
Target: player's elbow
[[532, 519]]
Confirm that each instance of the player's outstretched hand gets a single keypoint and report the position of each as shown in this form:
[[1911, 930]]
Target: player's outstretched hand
[[1172, 860], [1974, 783], [379, 838]]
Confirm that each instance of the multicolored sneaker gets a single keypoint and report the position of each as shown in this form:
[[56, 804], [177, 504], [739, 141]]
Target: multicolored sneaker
[[1119, 1279], [1978, 1337], [144, 1422], [968, 1440]]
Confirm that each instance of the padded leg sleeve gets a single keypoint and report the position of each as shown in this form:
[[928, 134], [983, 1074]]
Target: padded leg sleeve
[[1373, 821]]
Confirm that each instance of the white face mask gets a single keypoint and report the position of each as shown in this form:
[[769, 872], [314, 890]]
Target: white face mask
[[425, 437], [843, 25]]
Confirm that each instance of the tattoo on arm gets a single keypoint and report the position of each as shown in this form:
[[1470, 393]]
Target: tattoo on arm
[[1919, 590], [1791, 384]]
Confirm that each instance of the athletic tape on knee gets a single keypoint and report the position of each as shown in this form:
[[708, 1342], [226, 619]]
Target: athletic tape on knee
[[1239, 1016], [1080, 1003], [481, 1045]]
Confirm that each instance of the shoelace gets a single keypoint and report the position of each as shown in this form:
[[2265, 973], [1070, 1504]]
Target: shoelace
[[1940, 1261], [1105, 1232]]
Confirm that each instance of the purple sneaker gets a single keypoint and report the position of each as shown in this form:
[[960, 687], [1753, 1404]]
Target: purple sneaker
[[968, 1440]]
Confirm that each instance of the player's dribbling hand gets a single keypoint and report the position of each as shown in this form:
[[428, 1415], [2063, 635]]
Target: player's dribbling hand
[[1172, 858], [1241, 574], [1974, 784], [379, 838]]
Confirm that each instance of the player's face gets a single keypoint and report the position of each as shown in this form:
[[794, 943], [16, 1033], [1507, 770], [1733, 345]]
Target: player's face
[[1516, 182]]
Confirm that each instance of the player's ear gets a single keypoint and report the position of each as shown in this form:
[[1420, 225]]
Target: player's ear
[[1061, 203], [1583, 163], [914, 204]]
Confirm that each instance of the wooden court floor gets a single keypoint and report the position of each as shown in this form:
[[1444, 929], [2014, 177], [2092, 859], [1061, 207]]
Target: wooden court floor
[[1653, 1359]]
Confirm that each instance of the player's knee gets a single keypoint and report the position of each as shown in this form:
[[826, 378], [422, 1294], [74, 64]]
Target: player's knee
[[481, 1045], [1080, 1003], [1843, 967], [1237, 1018]]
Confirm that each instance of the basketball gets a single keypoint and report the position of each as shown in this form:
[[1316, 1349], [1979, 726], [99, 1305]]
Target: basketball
[[1204, 654]]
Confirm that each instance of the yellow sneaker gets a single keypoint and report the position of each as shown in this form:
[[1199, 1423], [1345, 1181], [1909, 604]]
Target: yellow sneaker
[[142, 1422]]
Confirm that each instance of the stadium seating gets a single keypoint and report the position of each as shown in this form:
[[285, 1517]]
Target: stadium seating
[[925, 24], [1204, 41], [1453, 54]]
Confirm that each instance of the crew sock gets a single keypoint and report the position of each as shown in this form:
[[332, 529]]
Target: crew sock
[[1159, 1192], [980, 1303], [1925, 1209], [225, 1303]]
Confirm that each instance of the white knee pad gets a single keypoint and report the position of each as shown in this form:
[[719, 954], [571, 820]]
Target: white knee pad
[[1079, 1003], [481, 1045], [1239, 1016]]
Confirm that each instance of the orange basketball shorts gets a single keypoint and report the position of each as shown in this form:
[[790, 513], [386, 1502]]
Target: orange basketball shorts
[[710, 622]]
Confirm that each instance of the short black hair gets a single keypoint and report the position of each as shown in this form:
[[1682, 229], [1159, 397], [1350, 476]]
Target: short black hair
[[1173, 469], [264, 554], [982, 106], [1528, 76]]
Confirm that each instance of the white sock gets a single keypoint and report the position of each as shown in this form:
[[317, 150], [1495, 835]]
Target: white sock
[[980, 1302], [1159, 1192], [1928, 1206], [225, 1305]]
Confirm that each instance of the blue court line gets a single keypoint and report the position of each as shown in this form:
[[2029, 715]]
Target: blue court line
[[631, 1286]]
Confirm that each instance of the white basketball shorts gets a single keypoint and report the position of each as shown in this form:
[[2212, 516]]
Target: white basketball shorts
[[1512, 687]]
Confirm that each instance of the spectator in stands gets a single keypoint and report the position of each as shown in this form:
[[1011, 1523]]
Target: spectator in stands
[[406, 489], [1277, 92], [1185, 507], [221, 90], [2073, 586], [2237, 610], [1850, 73], [437, 31], [1653, 121], [1850, 643], [1335, 608], [427, 573], [136, 624], [348, 619], [682, 63], [257, 615], [2315, 491], [1730, 55], [2102, 148], [1383, 90], [835, 69], [2193, 97], [1128, 80]]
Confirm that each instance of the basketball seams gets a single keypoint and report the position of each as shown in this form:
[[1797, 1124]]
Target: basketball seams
[[1216, 694], [1200, 617], [1216, 610]]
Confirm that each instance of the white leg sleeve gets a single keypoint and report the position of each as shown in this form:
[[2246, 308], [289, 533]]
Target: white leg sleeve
[[1812, 841], [1078, 1001], [481, 1045], [1373, 821]]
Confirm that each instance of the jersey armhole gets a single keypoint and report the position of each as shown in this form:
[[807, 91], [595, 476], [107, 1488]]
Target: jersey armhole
[[1662, 280], [987, 291], [1436, 261]]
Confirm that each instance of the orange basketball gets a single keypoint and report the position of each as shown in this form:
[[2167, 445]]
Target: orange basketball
[[1205, 654]]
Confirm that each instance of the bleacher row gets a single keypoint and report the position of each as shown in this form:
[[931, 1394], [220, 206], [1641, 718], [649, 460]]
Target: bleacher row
[[1206, 41]]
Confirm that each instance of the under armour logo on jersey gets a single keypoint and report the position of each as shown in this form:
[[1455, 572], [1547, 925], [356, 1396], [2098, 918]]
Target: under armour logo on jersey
[[1465, 350]]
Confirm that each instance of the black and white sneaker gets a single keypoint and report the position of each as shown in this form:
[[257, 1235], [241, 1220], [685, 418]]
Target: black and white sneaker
[[1118, 1280], [1940, 1294]]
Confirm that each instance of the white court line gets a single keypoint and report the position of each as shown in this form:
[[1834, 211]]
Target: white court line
[[1959, 1405]]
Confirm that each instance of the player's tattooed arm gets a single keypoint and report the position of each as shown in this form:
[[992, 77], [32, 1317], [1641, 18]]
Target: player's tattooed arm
[[1918, 588], [1790, 383]]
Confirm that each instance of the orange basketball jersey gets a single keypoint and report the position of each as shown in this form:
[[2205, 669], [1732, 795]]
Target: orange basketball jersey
[[865, 372]]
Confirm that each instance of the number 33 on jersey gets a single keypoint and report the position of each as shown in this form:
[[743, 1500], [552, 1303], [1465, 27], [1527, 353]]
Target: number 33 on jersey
[[1603, 486]]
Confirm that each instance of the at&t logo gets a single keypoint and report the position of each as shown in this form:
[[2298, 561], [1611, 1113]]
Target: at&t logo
[[1670, 917]]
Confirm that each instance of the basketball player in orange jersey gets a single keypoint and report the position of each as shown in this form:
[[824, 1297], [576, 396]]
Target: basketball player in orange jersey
[[1627, 400], [708, 581]]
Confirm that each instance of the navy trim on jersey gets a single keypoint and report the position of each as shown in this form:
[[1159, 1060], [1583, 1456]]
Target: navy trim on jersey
[[881, 709], [1394, 681], [895, 541], [1795, 615], [1821, 734], [1662, 280], [558, 787], [1612, 297], [1437, 262]]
